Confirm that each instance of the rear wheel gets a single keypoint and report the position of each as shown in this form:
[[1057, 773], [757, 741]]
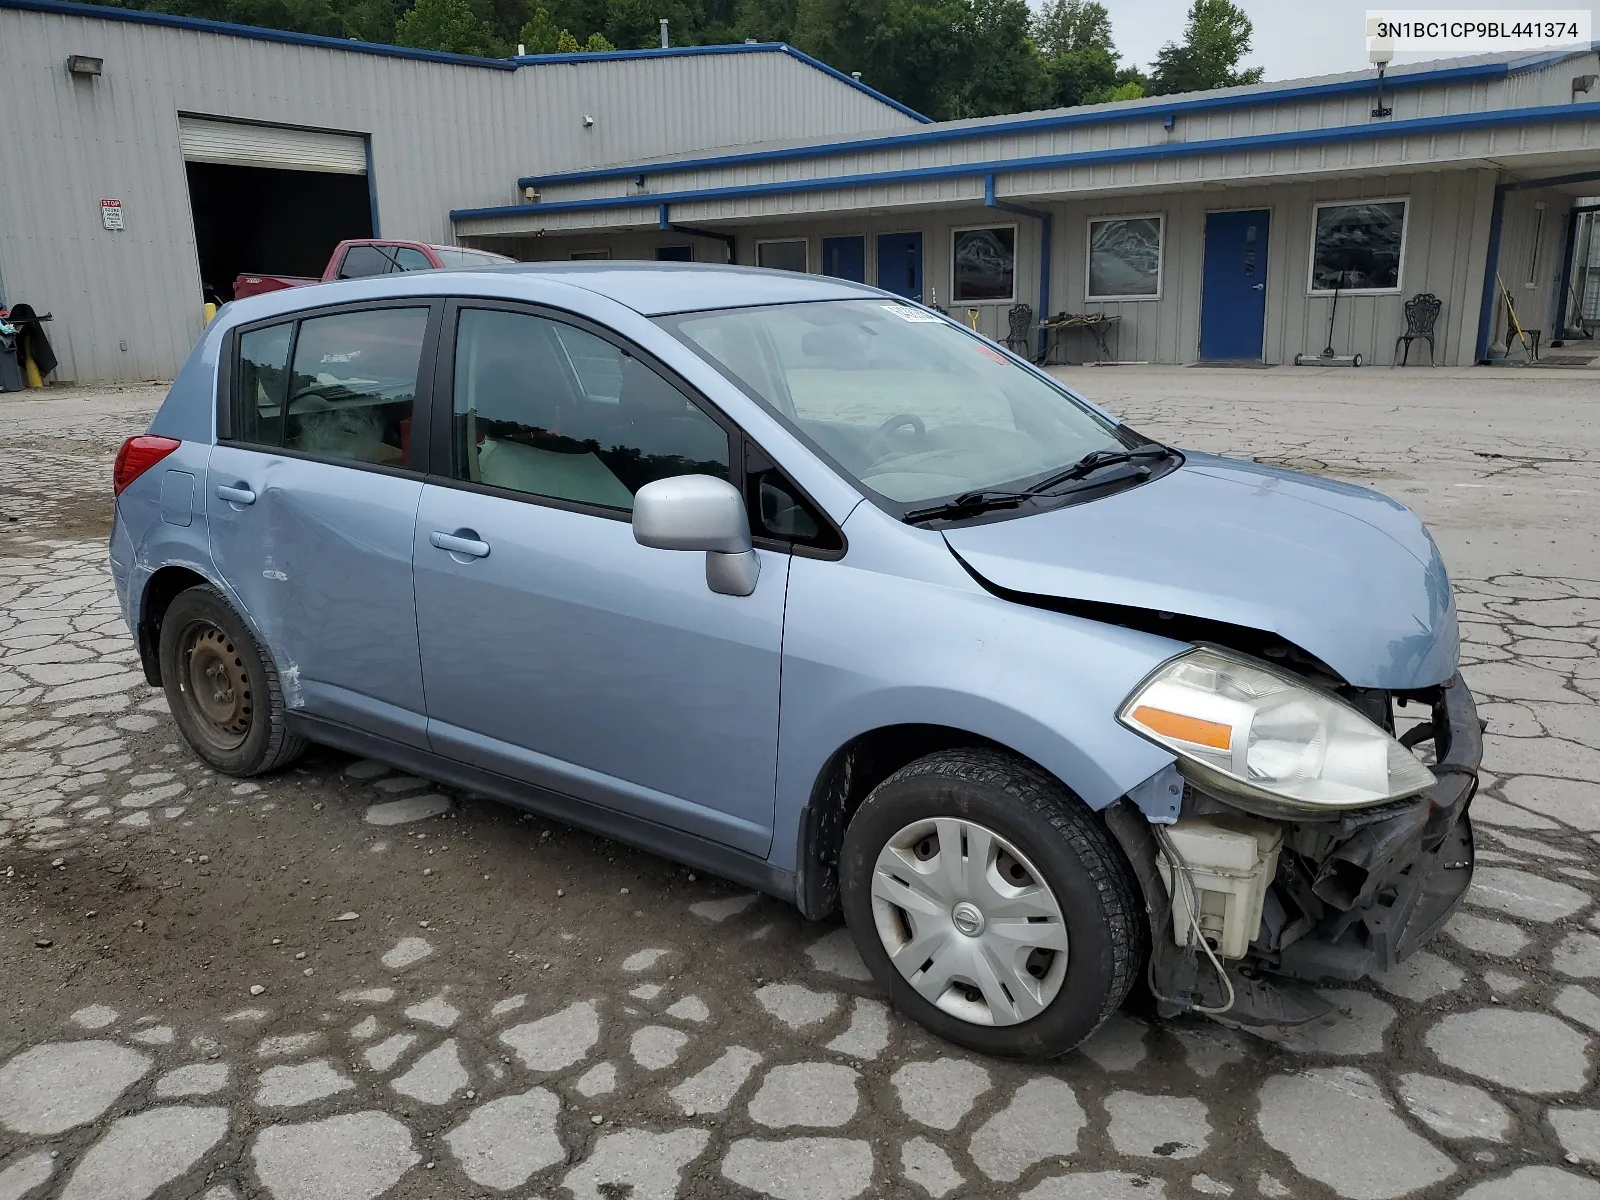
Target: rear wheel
[[992, 904], [223, 690]]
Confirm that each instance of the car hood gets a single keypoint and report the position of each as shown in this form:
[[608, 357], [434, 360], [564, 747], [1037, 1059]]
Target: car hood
[[1340, 571]]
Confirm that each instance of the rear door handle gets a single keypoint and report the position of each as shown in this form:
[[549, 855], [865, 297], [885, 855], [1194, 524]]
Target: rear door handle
[[235, 495], [455, 543]]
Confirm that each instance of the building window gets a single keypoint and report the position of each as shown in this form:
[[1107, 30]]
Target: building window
[[1357, 247], [1125, 258], [787, 255], [583, 255], [985, 264]]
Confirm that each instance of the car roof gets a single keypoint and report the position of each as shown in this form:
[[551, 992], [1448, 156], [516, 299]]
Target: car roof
[[648, 288], [656, 288]]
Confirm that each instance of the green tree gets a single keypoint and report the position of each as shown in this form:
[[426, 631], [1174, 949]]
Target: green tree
[[566, 43], [1216, 38], [597, 44], [539, 35], [448, 25]]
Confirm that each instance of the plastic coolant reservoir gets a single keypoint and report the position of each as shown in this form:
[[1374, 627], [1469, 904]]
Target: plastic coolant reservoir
[[1231, 860]]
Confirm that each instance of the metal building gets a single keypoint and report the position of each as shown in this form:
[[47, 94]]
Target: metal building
[[277, 145], [1208, 227]]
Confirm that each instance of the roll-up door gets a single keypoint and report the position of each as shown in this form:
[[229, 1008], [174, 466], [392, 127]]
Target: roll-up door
[[235, 144]]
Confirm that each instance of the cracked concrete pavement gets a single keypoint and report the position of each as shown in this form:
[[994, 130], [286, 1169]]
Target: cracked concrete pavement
[[343, 982]]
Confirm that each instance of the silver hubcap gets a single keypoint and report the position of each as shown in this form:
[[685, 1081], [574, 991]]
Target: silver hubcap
[[969, 922]]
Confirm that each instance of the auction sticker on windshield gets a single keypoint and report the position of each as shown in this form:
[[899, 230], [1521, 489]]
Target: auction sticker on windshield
[[906, 313]]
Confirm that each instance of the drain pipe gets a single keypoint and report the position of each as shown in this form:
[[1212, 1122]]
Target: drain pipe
[[990, 201], [664, 221]]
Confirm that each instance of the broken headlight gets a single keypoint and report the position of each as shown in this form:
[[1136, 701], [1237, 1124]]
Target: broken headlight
[[1242, 728]]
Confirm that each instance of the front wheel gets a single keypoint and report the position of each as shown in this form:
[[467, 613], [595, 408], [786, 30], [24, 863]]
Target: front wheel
[[222, 687], [993, 906]]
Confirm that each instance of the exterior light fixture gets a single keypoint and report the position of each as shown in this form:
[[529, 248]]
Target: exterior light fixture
[[1381, 53], [84, 65]]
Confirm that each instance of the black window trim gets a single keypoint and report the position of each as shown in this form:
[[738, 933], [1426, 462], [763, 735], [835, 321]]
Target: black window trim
[[442, 432], [228, 400]]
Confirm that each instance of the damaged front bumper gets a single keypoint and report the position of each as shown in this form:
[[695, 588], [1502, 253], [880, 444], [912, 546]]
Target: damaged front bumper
[[1351, 896]]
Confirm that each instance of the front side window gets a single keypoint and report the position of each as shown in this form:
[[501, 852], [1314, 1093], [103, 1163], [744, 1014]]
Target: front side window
[[350, 393], [787, 255], [550, 410], [408, 258], [985, 263], [905, 403], [1357, 246], [1125, 258]]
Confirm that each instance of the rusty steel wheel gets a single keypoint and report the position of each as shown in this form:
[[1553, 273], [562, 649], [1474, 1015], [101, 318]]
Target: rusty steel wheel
[[222, 688], [215, 685]]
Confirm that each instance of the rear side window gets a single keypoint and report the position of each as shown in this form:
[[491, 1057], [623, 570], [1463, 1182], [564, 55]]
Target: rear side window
[[349, 394], [360, 262], [408, 259]]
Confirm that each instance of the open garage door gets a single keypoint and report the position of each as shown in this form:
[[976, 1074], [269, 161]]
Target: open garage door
[[270, 200]]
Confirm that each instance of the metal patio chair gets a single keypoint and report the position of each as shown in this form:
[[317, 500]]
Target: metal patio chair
[[1020, 338], [1422, 314]]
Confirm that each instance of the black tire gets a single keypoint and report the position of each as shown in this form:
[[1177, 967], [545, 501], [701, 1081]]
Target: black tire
[[1108, 936], [235, 718]]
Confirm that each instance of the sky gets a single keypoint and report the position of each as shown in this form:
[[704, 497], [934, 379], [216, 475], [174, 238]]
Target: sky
[[1293, 38]]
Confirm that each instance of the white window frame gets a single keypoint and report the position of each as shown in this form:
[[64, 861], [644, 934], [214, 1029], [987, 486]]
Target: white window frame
[[1016, 255], [778, 241], [1088, 255], [1311, 250], [594, 254]]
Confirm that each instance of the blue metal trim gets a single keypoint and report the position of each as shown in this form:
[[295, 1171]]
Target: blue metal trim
[[736, 48], [372, 186], [69, 8], [1045, 224], [1071, 119], [1491, 263], [1453, 123]]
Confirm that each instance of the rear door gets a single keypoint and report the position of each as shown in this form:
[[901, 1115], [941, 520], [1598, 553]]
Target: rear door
[[312, 496]]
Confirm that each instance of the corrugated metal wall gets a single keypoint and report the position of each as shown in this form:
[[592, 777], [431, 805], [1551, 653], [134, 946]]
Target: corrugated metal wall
[[442, 136]]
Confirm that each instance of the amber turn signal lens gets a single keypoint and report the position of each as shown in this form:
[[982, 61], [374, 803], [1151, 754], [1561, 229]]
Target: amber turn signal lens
[[1185, 729]]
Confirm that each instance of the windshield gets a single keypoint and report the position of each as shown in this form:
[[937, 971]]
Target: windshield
[[911, 406]]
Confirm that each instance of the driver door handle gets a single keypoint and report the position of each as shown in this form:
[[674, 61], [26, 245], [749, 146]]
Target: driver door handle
[[235, 495], [459, 545]]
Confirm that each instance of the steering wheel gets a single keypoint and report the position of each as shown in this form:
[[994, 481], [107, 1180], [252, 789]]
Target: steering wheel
[[900, 421]]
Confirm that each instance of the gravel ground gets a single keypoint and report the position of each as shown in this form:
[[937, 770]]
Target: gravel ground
[[342, 982]]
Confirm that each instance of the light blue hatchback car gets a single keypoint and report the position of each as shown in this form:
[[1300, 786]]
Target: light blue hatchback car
[[799, 583]]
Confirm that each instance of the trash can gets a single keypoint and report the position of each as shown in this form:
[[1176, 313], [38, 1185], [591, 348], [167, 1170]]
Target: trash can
[[11, 379]]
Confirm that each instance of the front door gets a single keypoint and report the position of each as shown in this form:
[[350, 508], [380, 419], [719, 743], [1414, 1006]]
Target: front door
[[312, 500], [555, 648], [900, 264], [845, 258], [1233, 302]]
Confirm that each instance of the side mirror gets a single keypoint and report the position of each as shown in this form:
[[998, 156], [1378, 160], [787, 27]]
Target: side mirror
[[698, 512]]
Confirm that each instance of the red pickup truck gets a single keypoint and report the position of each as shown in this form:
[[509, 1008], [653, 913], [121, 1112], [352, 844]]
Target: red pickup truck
[[365, 257]]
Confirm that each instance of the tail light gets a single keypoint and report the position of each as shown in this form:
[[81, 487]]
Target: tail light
[[138, 455]]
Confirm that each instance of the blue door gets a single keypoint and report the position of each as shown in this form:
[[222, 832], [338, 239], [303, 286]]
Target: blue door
[[845, 258], [900, 264], [1233, 304]]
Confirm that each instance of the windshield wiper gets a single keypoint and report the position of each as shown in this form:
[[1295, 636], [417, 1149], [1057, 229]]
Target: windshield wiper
[[968, 504], [1095, 460]]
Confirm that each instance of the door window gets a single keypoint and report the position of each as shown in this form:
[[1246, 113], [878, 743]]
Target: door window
[[551, 410], [350, 393], [361, 262], [263, 375]]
